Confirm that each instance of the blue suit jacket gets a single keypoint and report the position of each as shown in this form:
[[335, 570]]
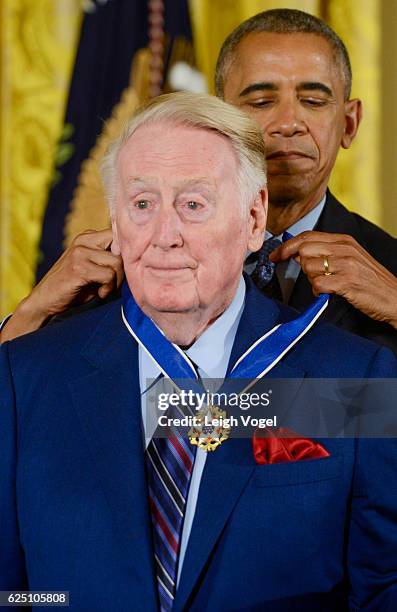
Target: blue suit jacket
[[309, 535]]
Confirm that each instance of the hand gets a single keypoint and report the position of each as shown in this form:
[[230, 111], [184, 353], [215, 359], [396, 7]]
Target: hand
[[355, 275], [85, 270]]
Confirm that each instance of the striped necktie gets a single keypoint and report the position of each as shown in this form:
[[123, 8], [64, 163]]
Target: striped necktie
[[169, 463]]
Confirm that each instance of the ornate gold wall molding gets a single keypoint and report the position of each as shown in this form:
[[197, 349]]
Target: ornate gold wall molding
[[38, 42]]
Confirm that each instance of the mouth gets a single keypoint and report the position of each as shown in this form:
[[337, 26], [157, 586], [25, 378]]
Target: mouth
[[287, 155], [169, 272]]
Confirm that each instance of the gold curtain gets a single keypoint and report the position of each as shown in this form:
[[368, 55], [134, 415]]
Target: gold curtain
[[37, 41], [356, 177]]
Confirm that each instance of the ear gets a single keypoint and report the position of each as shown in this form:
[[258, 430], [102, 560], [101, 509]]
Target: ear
[[353, 116], [115, 246], [257, 220]]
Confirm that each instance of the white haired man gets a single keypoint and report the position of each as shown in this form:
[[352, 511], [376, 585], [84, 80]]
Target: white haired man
[[292, 73], [93, 502]]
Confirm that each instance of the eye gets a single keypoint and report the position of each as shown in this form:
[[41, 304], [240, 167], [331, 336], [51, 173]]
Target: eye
[[142, 204], [192, 205], [314, 101], [259, 103]]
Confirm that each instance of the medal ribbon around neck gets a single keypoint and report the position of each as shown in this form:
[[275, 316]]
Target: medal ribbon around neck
[[256, 362]]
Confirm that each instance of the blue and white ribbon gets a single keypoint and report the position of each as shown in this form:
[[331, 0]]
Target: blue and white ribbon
[[255, 363]]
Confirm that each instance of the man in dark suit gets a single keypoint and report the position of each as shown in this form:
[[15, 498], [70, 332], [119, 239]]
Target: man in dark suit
[[292, 73], [92, 501]]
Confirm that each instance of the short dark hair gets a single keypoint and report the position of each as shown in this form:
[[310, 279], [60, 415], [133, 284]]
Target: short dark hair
[[282, 21]]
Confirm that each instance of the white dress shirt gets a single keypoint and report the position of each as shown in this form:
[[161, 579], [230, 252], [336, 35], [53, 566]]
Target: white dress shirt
[[211, 353]]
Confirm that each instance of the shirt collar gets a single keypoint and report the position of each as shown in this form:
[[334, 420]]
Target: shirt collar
[[211, 351]]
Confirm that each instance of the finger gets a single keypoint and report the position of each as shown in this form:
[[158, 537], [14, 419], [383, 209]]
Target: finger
[[292, 247], [101, 239], [327, 284], [322, 249], [119, 274], [102, 275], [106, 258], [316, 266], [103, 258], [78, 256], [351, 274], [106, 288], [297, 247], [315, 236]]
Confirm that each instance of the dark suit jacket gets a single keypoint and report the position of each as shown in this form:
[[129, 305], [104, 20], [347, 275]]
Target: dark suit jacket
[[304, 536], [336, 218]]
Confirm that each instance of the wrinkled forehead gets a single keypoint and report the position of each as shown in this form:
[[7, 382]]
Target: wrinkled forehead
[[176, 150]]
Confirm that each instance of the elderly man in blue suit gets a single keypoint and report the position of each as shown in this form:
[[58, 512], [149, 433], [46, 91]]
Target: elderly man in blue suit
[[95, 503]]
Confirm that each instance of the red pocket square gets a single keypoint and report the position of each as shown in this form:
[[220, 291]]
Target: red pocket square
[[283, 445]]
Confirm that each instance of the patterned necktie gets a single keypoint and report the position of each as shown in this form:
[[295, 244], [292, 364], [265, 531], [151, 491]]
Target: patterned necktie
[[169, 463], [264, 275]]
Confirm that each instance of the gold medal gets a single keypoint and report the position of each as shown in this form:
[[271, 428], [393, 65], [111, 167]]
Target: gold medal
[[210, 428]]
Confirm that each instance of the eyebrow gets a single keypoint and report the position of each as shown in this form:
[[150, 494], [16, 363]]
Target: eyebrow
[[258, 87], [268, 86], [316, 86]]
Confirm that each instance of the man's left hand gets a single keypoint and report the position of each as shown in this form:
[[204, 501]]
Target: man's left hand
[[354, 274]]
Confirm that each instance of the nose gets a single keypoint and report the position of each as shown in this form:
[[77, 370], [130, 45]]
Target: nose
[[287, 119], [167, 234]]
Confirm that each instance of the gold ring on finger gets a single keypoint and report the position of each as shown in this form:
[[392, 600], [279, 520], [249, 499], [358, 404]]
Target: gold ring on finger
[[326, 266]]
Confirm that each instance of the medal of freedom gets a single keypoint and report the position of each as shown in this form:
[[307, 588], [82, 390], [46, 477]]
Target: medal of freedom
[[211, 427], [209, 432]]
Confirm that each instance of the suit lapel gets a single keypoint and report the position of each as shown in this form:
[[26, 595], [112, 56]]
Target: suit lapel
[[107, 401], [228, 470]]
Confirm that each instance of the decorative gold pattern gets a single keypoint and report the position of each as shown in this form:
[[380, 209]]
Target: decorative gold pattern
[[209, 430]]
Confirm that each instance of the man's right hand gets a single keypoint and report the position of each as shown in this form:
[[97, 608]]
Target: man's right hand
[[87, 269]]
